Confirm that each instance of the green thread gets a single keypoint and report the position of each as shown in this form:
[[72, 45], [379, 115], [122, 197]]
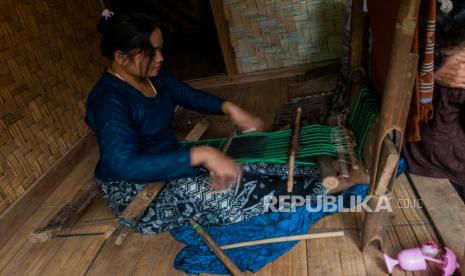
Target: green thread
[[197, 226], [315, 140]]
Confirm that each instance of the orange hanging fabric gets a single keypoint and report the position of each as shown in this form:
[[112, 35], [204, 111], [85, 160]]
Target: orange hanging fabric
[[421, 108]]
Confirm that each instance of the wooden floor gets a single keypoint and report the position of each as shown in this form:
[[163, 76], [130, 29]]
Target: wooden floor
[[154, 254]]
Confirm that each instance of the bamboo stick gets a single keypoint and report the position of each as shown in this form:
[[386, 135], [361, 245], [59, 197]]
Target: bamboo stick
[[228, 142], [294, 150], [215, 248], [285, 239]]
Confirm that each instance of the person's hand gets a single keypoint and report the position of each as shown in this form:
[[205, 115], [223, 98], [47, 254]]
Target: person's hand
[[245, 121], [452, 72], [223, 171]]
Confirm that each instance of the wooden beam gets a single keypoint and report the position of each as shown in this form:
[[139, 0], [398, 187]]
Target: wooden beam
[[12, 219], [358, 24], [445, 209], [198, 130], [270, 74], [223, 37], [134, 210]]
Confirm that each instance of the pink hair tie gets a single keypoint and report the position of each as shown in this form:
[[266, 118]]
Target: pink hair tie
[[107, 13]]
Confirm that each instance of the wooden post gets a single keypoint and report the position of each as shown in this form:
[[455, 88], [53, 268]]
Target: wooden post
[[375, 223], [223, 36], [394, 110], [358, 26]]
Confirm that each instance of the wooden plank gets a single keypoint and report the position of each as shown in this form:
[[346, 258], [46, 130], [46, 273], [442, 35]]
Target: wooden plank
[[98, 210], [198, 130], [119, 260], [16, 242], [223, 37], [32, 258], [74, 256], [269, 74], [408, 208], [15, 216], [162, 244], [323, 256], [446, 210], [82, 171]]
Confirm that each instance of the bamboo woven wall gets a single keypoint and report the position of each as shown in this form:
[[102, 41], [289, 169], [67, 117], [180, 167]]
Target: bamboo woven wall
[[269, 34], [49, 60]]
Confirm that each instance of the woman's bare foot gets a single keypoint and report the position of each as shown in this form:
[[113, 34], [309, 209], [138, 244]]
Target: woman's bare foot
[[355, 177]]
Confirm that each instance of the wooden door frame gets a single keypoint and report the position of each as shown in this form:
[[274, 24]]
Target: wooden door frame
[[223, 37]]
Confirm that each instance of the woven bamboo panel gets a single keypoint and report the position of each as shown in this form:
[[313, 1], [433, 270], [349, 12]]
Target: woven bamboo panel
[[49, 61], [269, 34]]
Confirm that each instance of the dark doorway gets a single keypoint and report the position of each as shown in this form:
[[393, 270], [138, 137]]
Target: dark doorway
[[191, 47]]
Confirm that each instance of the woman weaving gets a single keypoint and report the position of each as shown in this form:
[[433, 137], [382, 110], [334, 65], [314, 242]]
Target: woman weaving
[[130, 111]]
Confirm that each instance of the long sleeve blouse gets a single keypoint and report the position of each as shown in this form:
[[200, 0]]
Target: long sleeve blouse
[[134, 134]]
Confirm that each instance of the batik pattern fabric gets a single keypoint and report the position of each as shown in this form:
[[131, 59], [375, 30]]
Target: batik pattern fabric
[[191, 197]]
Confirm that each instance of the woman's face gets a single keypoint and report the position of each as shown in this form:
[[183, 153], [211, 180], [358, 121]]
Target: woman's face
[[139, 65]]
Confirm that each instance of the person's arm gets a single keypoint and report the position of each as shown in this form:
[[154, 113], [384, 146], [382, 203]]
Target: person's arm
[[189, 97], [119, 150], [205, 103], [242, 119]]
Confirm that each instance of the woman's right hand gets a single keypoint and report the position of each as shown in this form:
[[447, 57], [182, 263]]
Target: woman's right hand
[[222, 168]]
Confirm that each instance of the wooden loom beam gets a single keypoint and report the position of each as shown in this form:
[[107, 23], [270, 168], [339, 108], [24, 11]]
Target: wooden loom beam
[[394, 111]]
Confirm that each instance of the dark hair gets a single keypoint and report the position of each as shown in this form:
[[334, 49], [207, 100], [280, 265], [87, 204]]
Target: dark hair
[[451, 26], [127, 31]]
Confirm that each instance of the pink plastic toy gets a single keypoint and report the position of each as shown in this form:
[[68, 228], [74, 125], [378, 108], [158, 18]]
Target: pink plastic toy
[[414, 259]]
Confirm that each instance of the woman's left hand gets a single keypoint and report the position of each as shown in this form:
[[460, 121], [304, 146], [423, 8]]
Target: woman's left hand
[[245, 121], [452, 72]]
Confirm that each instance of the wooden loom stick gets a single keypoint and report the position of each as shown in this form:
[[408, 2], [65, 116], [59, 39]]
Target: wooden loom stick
[[228, 142], [293, 151], [215, 248], [285, 239]]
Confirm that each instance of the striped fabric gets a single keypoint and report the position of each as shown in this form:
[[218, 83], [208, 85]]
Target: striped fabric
[[426, 74]]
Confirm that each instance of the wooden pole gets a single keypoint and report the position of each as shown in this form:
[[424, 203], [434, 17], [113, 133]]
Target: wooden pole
[[294, 150], [285, 239], [215, 248]]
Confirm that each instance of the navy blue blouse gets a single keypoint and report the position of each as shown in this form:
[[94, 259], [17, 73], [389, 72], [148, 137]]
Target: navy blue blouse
[[134, 134]]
